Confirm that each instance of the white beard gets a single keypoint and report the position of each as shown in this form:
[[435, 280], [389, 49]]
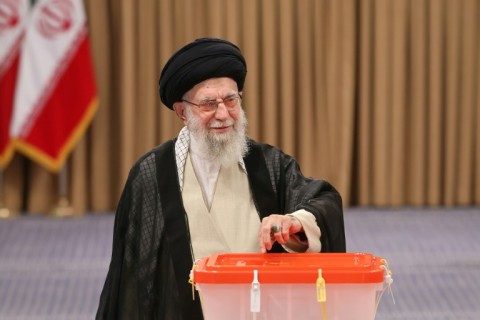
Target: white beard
[[224, 148]]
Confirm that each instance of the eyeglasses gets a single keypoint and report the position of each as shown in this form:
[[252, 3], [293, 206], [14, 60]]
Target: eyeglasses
[[207, 106]]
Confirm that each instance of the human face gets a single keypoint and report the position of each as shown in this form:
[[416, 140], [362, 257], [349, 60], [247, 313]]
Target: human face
[[218, 122]]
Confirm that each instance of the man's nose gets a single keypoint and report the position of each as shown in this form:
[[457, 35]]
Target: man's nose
[[222, 111]]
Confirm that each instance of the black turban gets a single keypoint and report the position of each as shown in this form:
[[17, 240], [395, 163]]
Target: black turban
[[197, 61]]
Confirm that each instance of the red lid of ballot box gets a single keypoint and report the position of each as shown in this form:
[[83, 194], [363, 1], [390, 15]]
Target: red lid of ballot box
[[290, 268]]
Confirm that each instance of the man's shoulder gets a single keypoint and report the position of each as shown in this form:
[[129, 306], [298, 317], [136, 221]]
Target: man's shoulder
[[260, 145], [148, 158], [267, 149], [166, 147]]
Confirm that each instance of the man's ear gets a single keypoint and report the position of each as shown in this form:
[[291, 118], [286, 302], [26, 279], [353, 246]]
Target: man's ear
[[180, 111]]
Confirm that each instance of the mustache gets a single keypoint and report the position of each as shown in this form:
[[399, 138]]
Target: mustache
[[219, 124]]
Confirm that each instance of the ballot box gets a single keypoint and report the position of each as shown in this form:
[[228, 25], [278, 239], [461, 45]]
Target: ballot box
[[328, 286]]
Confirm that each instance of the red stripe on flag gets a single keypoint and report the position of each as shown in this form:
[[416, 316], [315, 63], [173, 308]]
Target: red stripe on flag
[[66, 114], [7, 91]]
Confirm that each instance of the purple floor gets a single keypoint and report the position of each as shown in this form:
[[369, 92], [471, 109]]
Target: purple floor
[[54, 269]]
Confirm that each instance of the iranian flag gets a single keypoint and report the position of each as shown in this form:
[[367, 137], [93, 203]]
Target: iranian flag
[[13, 18], [56, 96]]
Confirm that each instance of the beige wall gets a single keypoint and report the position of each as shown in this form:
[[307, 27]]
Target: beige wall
[[379, 97]]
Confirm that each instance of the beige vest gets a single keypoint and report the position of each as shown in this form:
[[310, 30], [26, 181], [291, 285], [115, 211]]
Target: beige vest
[[232, 223]]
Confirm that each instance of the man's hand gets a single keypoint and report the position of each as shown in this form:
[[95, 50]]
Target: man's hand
[[277, 228]]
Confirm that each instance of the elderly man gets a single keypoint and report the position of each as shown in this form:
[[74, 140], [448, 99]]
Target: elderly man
[[210, 190]]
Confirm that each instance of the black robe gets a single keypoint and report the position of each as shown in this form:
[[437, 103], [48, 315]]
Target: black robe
[[152, 254]]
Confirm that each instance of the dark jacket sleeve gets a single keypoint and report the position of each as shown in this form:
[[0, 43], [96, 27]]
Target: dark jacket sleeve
[[143, 277], [295, 192], [109, 307], [140, 282]]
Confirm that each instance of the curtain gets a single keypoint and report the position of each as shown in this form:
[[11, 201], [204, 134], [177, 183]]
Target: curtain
[[381, 98]]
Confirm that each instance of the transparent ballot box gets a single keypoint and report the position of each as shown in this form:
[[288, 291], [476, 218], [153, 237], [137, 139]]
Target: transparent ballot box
[[327, 286]]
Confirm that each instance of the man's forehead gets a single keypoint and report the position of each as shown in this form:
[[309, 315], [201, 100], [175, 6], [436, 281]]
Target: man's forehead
[[213, 88]]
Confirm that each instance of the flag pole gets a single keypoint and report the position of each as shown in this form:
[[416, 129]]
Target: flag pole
[[5, 213], [63, 208]]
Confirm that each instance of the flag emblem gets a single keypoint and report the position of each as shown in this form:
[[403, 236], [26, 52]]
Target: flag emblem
[[56, 95]]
